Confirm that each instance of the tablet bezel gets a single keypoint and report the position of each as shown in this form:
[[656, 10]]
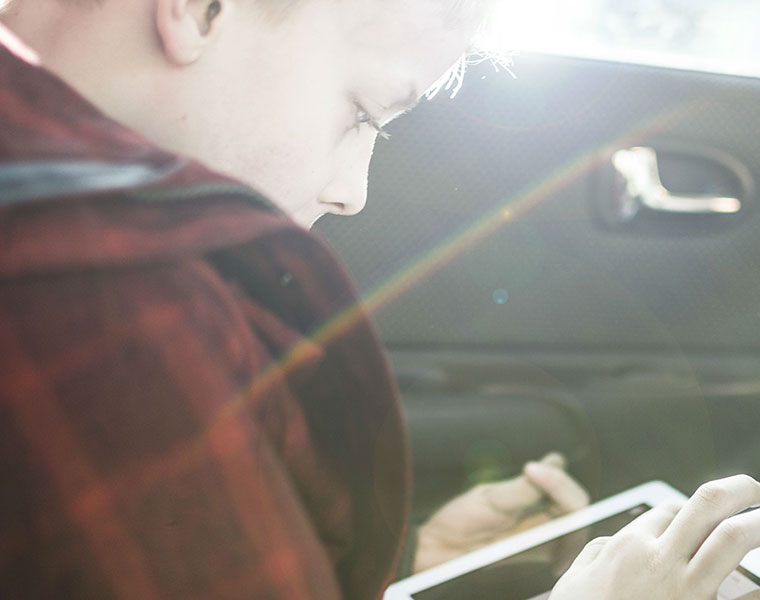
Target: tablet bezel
[[651, 493]]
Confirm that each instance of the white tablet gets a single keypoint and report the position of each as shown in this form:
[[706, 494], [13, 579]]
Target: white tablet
[[527, 565]]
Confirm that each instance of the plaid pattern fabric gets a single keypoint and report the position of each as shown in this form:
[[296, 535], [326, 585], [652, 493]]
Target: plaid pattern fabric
[[192, 404]]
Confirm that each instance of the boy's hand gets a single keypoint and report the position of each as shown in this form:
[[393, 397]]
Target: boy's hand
[[671, 552], [492, 511]]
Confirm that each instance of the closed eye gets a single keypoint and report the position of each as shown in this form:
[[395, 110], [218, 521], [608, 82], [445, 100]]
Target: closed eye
[[364, 117]]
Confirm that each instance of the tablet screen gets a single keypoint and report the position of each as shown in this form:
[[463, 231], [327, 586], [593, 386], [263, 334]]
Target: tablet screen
[[529, 575]]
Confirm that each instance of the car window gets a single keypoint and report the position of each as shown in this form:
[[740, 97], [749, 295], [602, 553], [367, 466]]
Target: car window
[[705, 35]]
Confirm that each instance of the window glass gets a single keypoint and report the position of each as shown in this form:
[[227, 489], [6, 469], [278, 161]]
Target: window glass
[[709, 35]]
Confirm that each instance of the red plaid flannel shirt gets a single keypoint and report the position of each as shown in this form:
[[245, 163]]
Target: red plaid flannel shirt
[[192, 404]]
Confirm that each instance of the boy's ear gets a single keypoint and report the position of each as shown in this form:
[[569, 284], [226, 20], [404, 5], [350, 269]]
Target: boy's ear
[[184, 27]]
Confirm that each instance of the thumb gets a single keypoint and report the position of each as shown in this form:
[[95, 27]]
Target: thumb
[[520, 493], [751, 596], [554, 459], [566, 493], [512, 496]]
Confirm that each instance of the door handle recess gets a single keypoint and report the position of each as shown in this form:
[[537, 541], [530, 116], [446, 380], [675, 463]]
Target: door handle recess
[[641, 174]]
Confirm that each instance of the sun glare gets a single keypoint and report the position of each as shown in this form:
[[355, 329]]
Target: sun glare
[[685, 34], [545, 25]]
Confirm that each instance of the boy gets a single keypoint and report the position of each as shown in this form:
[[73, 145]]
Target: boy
[[194, 404]]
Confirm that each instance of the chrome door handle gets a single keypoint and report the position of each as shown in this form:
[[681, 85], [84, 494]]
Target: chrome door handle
[[643, 187]]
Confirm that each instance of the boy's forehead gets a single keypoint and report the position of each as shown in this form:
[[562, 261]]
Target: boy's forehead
[[397, 30], [395, 20], [411, 38]]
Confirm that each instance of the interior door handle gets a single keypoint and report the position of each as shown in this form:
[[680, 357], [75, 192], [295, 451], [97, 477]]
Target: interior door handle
[[643, 187]]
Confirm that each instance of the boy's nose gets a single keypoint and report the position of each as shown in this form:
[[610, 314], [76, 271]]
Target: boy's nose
[[346, 193]]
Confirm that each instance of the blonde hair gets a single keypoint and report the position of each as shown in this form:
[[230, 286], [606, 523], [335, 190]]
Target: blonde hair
[[456, 12], [476, 16], [465, 14], [468, 12]]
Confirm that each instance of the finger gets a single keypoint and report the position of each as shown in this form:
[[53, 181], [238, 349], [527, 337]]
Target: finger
[[513, 496], [554, 459], [751, 596], [590, 552], [566, 493], [711, 503], [520, 496], [655, 521], [726, 546]]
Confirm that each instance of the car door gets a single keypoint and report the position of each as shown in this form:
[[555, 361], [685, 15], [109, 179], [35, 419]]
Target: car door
[[570, 259]]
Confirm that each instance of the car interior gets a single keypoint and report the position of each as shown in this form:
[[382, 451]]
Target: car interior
[[565, 256]]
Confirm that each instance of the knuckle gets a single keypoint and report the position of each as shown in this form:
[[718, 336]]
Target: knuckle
[[745, 481], [749, 481], [731, 533], [670, 509], [596, 542], [747, 478], [713, 493], [596, 545], [626, 542]]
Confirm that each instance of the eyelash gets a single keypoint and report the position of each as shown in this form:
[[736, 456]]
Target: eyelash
[[368, 119]]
